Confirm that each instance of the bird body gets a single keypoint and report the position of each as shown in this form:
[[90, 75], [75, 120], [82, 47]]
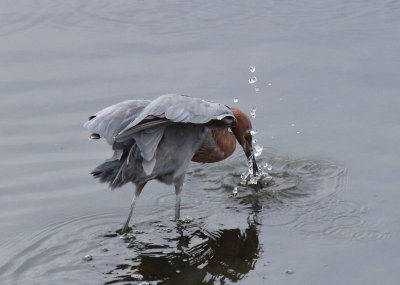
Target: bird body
[[158, 139], [216, 146]]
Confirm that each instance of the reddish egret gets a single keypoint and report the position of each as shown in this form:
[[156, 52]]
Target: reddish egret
[[158, 139]]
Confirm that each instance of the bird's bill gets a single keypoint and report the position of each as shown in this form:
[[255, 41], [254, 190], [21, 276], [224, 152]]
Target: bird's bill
[[248, 149], [255, 166]]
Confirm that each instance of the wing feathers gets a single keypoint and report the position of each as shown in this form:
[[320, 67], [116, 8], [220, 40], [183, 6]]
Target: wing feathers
[[181, 109], [145, 121]]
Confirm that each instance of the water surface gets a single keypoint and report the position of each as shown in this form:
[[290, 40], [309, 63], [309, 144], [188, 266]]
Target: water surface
[[326, 113]]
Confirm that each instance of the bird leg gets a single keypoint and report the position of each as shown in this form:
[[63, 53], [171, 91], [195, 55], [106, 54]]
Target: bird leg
[[178, 190], [138, 190]]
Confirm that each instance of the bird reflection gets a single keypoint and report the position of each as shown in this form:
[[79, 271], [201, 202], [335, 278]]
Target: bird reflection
[[200, 257]]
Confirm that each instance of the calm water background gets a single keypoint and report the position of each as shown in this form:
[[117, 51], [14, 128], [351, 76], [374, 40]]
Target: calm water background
[[327, 116]]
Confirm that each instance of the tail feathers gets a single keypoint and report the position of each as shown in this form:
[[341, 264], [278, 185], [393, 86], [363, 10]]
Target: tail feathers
[[123, 167], [109, 172]]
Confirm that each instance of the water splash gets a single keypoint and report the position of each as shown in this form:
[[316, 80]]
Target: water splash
[[258, 150], [235, 100], [253, 112], [137, 276], [87, 258], [256, 89], [267, 166], [259, 176], [252, 68], [235, 191], [253, 80]]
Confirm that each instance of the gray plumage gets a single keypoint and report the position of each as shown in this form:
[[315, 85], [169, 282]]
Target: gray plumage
[[183, 109], [154, 139], [111, 120]]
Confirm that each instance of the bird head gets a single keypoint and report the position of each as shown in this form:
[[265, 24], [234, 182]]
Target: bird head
[[242, 131]]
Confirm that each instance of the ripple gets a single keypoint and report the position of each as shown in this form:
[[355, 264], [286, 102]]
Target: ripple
[[167, 17], [191, 253], [55, 252], [127, 16], [348, 221], [302, 196], [156, 249], [19, 16]]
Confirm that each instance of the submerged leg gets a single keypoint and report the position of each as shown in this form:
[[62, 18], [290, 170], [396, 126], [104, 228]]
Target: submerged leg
[[178, 190], [138, 190]]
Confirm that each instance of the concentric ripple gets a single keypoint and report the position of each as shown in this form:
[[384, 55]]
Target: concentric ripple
[[218, 241], [303, 196]]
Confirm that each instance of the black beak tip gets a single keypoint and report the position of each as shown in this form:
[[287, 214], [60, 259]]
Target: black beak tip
[[255, 167]]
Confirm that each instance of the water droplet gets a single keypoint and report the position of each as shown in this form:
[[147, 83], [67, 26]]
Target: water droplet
[[235, 100], [244, 176], [252, 68], [267, 166], [127, 236], [267, 177], [269, 84], [235, 191], [253, 179], [178, 271], [289, 271], [255, 141], [293, 125], [258, 150], [256, 89], [88, 258], [253, 112], [187, 219], [104, 249], [253, 80], [253, 132], [297, 132], [137, 276]]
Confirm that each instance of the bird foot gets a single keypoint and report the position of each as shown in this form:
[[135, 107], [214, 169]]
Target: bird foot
[[126, 229]]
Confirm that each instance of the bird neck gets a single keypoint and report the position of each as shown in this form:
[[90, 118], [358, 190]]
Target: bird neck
[[243, 124], [225, 140]]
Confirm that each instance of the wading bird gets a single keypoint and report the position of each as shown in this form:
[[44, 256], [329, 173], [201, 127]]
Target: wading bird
[[158, 139]]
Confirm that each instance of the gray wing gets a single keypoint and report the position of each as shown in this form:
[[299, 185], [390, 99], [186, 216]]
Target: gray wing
[[180, 109], [145, 121], [113, 119]]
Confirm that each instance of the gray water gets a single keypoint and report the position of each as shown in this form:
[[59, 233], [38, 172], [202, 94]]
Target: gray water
[[327, 116]]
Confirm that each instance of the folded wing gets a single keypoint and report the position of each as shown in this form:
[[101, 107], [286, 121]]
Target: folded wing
[[110, 121], [144, 122], [172, 108]]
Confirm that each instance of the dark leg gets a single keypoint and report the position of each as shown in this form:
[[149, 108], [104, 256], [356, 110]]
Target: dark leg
[[138, 190], [178, 190]]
